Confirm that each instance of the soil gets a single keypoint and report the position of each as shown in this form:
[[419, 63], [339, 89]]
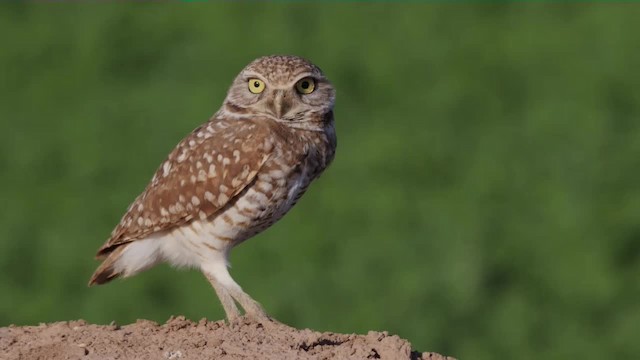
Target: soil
[[184, 339]]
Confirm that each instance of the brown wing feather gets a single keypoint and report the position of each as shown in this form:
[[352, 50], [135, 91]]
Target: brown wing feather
[[201, 175]]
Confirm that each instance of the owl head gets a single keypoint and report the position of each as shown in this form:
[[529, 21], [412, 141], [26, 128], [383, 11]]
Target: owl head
[[288, 89]]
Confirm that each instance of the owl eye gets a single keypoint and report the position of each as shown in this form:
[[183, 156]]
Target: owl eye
[[256, 86], [306, 85]]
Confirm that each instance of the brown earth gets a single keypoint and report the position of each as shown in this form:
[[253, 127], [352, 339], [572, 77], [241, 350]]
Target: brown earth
[[183, 339]]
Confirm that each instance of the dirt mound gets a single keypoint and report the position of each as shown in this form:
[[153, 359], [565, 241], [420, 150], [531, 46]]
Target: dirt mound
[[183, 339]]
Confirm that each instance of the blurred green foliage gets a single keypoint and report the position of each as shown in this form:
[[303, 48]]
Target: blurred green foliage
[[484, 201]]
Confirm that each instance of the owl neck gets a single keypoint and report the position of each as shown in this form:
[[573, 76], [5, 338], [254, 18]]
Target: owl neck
[[312, 121]]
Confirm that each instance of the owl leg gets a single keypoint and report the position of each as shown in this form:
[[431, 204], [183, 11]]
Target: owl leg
[[250, 306], [231, 289], [228, 304]]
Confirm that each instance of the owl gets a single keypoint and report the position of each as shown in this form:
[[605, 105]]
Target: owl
[[230, 179]]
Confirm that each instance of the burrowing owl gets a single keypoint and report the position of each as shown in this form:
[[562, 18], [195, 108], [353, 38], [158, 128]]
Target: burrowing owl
[[231, 178]]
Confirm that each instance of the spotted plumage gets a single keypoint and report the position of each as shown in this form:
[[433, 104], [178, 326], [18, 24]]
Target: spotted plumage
[[231, 178]]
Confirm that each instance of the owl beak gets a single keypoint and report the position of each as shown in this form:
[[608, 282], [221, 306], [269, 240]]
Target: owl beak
[[281, 103]]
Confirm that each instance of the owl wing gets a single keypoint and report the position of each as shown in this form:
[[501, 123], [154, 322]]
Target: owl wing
[[202, 175]]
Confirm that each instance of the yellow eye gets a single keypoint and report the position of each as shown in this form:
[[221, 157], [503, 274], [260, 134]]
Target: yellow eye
[[306, 85], [256, 86]]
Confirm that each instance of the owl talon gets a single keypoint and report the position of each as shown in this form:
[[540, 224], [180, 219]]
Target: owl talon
[[235, 323]]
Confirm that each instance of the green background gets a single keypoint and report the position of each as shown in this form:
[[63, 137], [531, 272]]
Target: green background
[[484, 202]]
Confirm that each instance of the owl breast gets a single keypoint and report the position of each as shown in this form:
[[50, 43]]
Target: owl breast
[[268, 200], [277, 187]]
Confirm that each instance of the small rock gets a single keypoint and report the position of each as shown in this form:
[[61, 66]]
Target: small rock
[[173, 354]]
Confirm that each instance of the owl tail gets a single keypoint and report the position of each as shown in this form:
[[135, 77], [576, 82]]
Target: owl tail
[[107, 270], [127, 260]]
